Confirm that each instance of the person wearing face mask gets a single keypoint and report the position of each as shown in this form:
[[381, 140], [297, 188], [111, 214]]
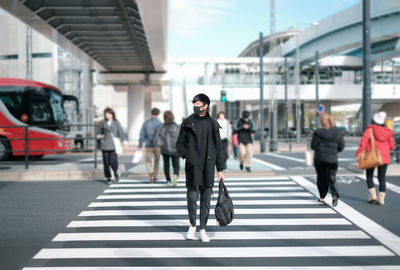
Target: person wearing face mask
[[199, 143], [245, 129]]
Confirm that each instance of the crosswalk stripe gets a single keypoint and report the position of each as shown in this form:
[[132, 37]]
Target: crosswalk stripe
[[274, 178], [364, 267], [214, 252], [239, 211], [242, 235], [131, 190], [183, 195], [258, 183], [184, 203], [185, 222]]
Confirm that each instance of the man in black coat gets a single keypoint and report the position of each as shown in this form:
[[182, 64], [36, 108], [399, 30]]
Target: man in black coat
[[199, 143]]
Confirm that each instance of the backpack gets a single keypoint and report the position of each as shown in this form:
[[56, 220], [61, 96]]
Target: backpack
[[224, 208]]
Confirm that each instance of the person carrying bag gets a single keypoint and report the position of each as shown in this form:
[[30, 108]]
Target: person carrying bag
[[374, 152]]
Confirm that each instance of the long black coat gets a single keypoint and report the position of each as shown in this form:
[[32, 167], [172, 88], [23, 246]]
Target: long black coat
[[188, 149]]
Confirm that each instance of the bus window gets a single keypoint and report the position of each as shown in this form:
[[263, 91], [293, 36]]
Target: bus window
[[40, 112], [13, 101], [56, 106]]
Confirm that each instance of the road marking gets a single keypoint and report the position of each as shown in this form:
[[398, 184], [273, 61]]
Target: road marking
[[238, 235], [185, 222], [258, 183], [229, 178], [239, 211], [268, 164], [184, 203], [183, 195], [389, 186], [151, 190], [285, 157], [386, 237], [215, 252]]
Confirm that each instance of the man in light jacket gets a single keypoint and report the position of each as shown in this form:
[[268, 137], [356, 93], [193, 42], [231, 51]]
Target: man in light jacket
[[147, 134]]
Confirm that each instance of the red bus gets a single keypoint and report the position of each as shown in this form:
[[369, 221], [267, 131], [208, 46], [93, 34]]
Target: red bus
[[40, 108]]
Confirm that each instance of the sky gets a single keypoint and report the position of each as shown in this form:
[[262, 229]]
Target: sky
[[224, 28]]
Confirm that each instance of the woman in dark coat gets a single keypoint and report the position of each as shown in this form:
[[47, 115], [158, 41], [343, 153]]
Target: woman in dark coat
[[166, 138], [327, 142], [110, 128]]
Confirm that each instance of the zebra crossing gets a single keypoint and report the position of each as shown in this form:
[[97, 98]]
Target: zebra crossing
[[278, 224]]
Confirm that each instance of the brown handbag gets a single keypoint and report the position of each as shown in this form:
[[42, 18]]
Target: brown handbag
[[372, 158]]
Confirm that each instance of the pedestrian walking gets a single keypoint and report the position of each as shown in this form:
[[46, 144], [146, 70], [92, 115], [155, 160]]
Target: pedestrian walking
[[199, 142], [383, 140], [245, 129], [235, 145], [166, 138], [110, 129], [327, 142], [225, 133], [147, 134]]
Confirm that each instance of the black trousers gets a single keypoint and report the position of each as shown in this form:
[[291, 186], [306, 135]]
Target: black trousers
[[175, 165], [326, 178], [193, 194], [225, 144], [110, 158], [381, 177]]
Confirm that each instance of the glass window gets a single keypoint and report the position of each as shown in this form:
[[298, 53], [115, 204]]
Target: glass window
[[12, 97], [57, 108]]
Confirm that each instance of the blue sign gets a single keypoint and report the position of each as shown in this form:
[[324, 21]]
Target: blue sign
[[321, 108]]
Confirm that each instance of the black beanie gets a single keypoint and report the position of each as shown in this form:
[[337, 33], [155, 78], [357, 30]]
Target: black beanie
[[201, 97], [245, 114]]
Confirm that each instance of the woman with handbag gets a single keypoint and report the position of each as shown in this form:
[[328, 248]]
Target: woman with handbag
[[111, 135], [378, 140], [327, 142]]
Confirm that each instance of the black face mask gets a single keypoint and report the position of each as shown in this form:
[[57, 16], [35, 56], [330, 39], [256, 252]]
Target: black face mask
[[196, 110]]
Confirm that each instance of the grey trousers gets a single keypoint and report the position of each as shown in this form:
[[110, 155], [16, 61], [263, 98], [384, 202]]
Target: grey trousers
[[193, 194]]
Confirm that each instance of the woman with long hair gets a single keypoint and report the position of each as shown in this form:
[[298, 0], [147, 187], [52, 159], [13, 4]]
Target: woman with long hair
[[110, 128], [166, 138], [383, 138], [327, 142]]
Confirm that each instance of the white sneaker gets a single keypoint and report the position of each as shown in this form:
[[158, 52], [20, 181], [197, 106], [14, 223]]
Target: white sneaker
[[190, 233], [203, 236]]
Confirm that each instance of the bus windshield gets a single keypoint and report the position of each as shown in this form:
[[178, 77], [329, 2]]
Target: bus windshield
[[41, 106]]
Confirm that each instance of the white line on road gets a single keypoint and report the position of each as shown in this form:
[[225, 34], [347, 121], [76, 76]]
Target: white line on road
[[236, 183], [386, 237], [214, 252], [184, 203], [185, 222], [239, 211], [389, 186], [285, 157], [228, 179], [238, 235], [268, 164], [156, 190], [183, 195]]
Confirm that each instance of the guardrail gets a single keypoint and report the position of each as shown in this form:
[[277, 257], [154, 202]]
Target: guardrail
[[88, 143]]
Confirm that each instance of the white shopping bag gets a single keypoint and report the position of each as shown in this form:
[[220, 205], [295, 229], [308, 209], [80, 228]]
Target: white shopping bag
[[118, 145], [309, 158], [137, 157]]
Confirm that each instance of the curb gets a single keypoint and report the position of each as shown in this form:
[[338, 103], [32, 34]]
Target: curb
[[51, 175]]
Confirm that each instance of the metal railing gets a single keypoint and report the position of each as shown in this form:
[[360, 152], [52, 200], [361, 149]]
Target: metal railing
[[88, 143]]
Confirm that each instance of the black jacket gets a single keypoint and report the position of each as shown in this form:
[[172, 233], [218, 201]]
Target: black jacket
[[245, 135], [327, 143], [188, 149]]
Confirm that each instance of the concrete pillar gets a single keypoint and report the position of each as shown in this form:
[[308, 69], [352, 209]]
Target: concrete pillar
[[136, 111], [147, 103]]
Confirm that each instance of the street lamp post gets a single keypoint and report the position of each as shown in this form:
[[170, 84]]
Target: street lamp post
[[261, 51], [317, 88], [297, 90], [286, 101], [366, 101]]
